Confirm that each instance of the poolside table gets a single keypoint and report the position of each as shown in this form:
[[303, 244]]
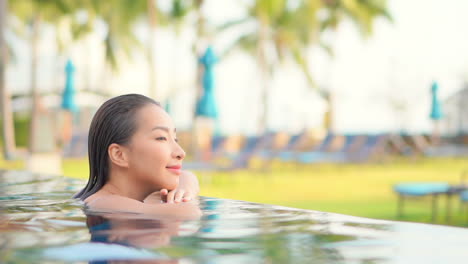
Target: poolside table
[[463, 199], [434, 189]]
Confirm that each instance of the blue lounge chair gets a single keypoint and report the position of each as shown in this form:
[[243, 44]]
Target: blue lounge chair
[[217, 151], [323, 155], [398, 145], [251, 146], [217, 145], [322, 147], [77, 147], [374, 145], [420, 189], [418, 143], [464, 196], [273, 149], [447, 149], [354, 144]]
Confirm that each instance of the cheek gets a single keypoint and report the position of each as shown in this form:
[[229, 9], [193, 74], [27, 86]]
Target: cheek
[[152, 156], [145, 149], [159, 157]]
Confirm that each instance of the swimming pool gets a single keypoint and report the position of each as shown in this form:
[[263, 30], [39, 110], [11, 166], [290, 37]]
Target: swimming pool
[[40, 223]]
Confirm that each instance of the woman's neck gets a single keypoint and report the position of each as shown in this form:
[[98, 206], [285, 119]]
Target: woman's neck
[[120, 184]]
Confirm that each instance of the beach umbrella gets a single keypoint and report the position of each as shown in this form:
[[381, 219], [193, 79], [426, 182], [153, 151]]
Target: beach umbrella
[[436, 109], [206, 105], [436, 112], [167, 106], [68, 95], [206, 110], [68, 103]]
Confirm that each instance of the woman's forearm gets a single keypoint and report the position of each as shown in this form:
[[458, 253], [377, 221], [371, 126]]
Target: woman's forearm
[[189, 181]]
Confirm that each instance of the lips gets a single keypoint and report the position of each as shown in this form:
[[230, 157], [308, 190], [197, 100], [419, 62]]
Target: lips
[[177, 169]]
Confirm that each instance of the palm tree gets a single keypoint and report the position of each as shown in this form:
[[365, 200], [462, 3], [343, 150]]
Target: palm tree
[[201, 33], [290, 27], [33, 13], [285, 29], [179, 11], [120, 18], [152, 21], [176, 17], [8, 135], [363, 14]]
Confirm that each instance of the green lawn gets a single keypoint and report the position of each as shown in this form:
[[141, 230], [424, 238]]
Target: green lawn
[[355, 189]]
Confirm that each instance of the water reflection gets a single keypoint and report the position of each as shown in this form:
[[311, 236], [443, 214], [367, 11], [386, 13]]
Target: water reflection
[[40, 223], [131, 230]]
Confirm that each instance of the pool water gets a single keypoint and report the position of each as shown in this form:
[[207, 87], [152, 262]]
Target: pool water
[[40, 223]]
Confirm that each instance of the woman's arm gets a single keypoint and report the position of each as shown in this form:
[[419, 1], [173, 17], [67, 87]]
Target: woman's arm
[[182, 211], [187, 189]]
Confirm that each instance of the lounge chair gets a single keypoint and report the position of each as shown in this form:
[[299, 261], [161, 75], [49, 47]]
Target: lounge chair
[[274, 149], [397, 145], [77, 147], [326, 153], [252, 145], [421, 189], [464, 200], [217, 146], [374, 146], [418, 143], [354, 144], [323, 146]]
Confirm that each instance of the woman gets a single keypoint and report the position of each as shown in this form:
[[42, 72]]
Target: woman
[[135, 161]]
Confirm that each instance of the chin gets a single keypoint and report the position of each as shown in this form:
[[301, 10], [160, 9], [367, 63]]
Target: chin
[[171, 185]]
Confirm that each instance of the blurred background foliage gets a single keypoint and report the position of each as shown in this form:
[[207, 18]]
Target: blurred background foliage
[[288, 27]]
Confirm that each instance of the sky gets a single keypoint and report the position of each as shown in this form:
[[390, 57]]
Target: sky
[[426, 42]]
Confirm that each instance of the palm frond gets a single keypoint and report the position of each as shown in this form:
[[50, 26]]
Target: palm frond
[[233, 23], [303, 63]]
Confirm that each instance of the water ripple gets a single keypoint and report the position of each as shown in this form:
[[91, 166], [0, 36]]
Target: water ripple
[[41, 223]]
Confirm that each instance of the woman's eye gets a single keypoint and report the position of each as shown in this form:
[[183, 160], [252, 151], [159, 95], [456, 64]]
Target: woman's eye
[[176, 140], [161, 138]]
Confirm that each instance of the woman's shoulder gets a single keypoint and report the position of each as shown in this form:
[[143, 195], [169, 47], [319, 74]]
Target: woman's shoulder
[[108, 201], [116, 203]]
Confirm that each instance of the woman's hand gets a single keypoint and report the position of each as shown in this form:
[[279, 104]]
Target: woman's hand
[[186, 191]]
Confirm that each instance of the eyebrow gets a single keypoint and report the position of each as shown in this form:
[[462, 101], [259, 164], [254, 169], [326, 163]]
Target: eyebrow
[[162, 128]]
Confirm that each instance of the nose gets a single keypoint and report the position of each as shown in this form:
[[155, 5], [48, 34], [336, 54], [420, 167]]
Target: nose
[[179, 153]]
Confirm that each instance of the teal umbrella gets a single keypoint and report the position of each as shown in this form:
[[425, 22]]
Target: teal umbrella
[[436, 109], [68, 96], [167, 106], [206, 105]]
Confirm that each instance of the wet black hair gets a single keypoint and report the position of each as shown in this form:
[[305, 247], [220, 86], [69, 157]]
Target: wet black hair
[[114, 122]]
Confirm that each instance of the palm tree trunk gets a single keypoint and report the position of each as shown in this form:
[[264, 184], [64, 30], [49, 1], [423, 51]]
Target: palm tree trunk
[[151, 42], [8, 135], [200, 29], [329, 115], [263, 67], [33, 126]]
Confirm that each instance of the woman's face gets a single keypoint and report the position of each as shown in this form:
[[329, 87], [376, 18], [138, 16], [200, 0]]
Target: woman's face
[[154, 156]]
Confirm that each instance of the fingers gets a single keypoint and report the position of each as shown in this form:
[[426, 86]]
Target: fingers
[[187, 197], [170, 196], [175, 196], [178, 196], [164, 195]]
